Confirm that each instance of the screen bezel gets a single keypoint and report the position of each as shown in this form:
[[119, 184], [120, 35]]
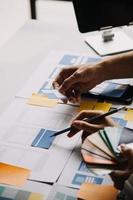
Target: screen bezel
[[84, 29]]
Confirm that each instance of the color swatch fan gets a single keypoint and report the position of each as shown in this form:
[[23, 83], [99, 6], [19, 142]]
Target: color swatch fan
[[100, 148]]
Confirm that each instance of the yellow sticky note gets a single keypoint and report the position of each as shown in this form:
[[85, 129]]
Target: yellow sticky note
[[103, 106], [129, 115], [87, 105], [39, 100], [35, 196], [97, 192], [13, 175]]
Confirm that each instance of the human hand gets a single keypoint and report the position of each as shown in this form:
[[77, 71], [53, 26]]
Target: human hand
[[119, 177], [73, 81], [88, 128]]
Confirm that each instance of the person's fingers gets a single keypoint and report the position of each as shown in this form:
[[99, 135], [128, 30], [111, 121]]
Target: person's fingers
[[73, 131], [85, 126], [87, 114], [110, 121], [84, 135], [119, 177], [64, 73], [79, 125], [127, 152], [74, 96], [83, 114], [68, 82]]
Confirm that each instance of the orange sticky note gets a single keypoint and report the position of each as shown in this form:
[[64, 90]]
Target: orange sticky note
[[103, 106], [40, 100], [87, 105], [129, 115], [97, 192], [13, 175]]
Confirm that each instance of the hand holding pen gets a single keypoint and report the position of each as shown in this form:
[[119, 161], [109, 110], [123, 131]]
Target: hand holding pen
[[79, 124], [89, 122]]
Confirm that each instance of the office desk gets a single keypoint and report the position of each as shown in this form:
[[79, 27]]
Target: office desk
[[23, 53]]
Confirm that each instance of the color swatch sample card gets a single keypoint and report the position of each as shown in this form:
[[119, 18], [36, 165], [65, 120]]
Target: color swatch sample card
[[100, 148], [44, 139], [7, 193]]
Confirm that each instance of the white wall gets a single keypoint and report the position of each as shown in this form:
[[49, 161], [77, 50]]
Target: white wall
[[13, 14]]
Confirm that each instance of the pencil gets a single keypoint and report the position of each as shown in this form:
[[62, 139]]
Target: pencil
[[90, 120]]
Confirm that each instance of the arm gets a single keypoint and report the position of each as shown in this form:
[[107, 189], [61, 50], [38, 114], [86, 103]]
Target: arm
[[120, 66], [75, 80]]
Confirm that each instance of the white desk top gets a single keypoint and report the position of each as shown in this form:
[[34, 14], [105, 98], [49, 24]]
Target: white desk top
[[24, 52]]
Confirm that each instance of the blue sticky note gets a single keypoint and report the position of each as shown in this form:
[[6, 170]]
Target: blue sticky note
[[43, 139]]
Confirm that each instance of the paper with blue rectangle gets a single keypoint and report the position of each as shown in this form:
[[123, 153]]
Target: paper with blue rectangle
[[114, 90], [44, 139]]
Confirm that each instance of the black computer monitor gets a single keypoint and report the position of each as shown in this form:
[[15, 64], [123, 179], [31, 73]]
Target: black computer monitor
[[94, 14]]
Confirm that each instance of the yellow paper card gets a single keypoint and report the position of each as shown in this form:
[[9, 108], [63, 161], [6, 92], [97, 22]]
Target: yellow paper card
[[35, 196], [97, 192], [103, 106], [87, 105], [39, 100], [13, 175], [129, 115]]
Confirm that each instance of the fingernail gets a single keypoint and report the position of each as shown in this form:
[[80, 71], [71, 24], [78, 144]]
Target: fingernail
[[70, 134]]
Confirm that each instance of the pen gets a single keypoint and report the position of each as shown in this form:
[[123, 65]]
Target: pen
[[92, 119]]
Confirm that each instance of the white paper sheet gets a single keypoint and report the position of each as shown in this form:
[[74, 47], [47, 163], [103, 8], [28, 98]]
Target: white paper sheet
[[76, 173], [20, 124]]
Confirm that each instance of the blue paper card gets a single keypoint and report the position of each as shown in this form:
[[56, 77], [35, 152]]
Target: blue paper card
[[114, 90], [43, 139]]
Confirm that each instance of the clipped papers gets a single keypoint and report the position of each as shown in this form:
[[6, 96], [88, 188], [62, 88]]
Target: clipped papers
[[97, 192], [13, 175]]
